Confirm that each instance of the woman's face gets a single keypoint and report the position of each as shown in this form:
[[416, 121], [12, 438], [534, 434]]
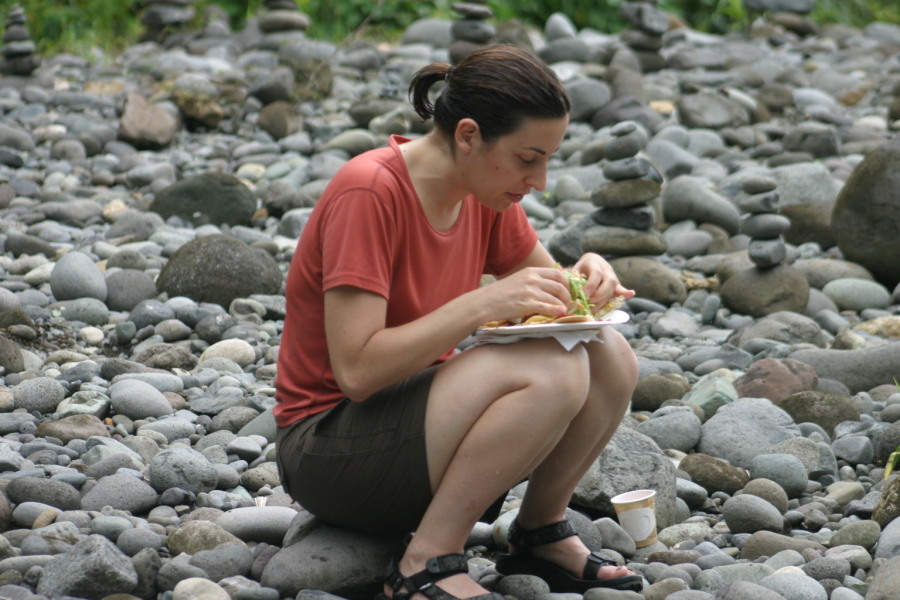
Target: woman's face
[[500, 173]]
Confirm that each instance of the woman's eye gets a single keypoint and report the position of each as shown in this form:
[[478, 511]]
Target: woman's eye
[[527, 161]]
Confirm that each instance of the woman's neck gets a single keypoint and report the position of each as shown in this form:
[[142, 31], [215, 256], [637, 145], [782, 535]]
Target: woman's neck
[[435, 177]]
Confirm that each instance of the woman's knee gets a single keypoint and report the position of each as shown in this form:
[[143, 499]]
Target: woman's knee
[[616, 365], [563, 377]]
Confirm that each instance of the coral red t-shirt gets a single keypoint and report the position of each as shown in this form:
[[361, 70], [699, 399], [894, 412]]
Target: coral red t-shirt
[[369, 230]]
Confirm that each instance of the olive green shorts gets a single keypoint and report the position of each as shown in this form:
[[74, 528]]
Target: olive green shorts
[[362, 465]]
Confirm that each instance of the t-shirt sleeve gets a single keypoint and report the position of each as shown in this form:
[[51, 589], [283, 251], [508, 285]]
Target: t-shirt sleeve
[[358, 242], [512, 240]]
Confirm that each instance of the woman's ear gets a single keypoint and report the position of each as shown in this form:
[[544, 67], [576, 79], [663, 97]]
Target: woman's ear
[[467, 135]]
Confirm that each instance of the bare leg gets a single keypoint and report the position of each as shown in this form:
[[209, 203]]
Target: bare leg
[[499, 414], [494, 413], [613, 378]]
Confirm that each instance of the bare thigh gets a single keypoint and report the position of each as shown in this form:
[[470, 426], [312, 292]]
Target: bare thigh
[[468, 384]]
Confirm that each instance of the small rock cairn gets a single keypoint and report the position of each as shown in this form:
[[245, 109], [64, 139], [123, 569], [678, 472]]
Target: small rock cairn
[[162, 18], [625, 201], [788, 14], [282, 21], [645, 39], [760, 200], [771, 284], [19, 56], [471, 31], [216, 31]]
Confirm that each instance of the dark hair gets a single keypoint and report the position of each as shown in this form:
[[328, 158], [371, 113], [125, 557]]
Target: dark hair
[[496, 86]]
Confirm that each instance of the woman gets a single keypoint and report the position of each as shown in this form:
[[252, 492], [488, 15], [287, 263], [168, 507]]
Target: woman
[[382, 425]]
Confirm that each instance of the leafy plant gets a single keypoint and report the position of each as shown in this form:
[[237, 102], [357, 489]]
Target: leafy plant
[[718, 16], [77, 25], [385, 19], [238, 11], [602, 16], [892, 462], [894, 458], [855, 12]]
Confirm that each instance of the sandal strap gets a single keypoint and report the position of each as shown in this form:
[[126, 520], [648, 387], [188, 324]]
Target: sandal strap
[[593, 565], [436, 568], [526, 539], [440, 567]]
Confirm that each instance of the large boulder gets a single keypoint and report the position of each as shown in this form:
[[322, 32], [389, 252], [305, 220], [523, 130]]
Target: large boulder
[[776, 379], [712, 474], [93, 568], [650, 279], [825, 409], [631, 460], [810, 222], [744, 428], [219, 268], [868, 209], [761, 292], [216, 198], [333, 560], [76, 275], [785, 327], [860, 370]]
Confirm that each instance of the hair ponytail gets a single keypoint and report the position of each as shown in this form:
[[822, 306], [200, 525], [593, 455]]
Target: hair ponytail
[[421, 84]]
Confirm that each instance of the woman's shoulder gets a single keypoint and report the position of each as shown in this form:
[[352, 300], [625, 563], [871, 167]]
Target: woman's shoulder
[[372, 169]]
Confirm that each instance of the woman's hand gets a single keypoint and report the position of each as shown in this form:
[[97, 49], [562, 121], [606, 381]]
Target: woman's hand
[[602, 282], [528, 291]]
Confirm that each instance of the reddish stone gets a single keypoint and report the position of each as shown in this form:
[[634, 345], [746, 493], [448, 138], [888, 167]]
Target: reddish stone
[[776, 379]]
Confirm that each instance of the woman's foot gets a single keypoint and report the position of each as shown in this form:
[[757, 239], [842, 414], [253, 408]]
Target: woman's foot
[[460, 586], [572, 555], [557, 555], [447, 573]]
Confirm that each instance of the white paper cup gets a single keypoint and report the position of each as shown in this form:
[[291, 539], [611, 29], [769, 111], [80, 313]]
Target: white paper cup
[[637, 515]]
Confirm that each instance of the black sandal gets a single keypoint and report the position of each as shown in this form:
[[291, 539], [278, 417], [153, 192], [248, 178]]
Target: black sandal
[[522, 562], [424, 582]]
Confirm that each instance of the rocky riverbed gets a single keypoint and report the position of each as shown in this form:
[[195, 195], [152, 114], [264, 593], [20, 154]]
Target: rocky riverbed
[[745, 185]]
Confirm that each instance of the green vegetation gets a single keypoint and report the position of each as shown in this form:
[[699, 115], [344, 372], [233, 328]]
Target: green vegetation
[[892, 462], [381, 19], [894, 459], [78, 26]]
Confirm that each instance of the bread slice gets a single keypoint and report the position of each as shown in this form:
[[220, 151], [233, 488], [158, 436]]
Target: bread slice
[[615, 303]]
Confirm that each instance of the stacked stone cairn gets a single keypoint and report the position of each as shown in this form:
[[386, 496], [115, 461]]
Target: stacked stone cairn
[[800, 7], [473, 30], [788, 14], [625, 216], [778, 285], [282, 22], [163, 19], [645, 38], [19, 56], [759, 200], [215, 33], [305, 64]]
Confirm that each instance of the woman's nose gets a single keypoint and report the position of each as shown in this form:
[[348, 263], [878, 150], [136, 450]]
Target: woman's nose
[[537, 180]]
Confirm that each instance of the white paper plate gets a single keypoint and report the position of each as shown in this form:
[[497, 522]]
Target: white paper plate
[[549, 329]]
